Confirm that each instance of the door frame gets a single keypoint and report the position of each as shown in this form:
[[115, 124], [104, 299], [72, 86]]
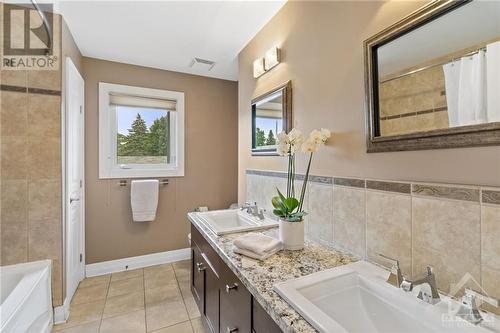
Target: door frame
[[66, 205]]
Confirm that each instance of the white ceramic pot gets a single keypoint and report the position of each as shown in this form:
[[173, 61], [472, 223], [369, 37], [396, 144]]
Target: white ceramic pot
[[292, 235]]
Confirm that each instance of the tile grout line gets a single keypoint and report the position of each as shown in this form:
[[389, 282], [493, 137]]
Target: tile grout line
[[105, 301], [182, 297]]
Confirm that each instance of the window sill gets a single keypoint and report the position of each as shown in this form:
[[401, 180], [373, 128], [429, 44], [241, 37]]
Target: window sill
[[141, 173]]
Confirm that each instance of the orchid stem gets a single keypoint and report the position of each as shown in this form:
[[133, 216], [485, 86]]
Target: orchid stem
[[304, 184]]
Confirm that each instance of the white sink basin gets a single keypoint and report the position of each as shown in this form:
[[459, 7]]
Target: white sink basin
[[357, 298], [233, 220]]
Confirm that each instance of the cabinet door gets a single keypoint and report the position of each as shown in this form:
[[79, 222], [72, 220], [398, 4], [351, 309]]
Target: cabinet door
[[197, 277], [261, 321], [211, 298], [235, 305]]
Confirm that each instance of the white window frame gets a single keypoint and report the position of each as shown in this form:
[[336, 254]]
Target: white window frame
[[108, 167]]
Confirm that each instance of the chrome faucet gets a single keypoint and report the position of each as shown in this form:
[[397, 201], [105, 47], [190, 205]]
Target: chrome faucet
[[430, 279], [468, 309], [396, 277], [254, 210]]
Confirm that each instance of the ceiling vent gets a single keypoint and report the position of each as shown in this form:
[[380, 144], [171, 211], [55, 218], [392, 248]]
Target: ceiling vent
[[202, 64]]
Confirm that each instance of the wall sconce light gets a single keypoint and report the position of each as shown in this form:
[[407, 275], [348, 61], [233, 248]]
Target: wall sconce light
[[258, 67], [270, 60]]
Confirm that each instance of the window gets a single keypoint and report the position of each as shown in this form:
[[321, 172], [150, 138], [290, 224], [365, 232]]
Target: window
[[141, 132]]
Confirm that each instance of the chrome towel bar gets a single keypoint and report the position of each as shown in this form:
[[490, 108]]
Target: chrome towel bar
[[124, 182]]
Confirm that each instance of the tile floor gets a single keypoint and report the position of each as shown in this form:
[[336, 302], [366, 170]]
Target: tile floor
[[154, 299]]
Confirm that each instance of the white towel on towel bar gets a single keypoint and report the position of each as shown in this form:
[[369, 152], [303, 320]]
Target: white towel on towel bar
[[144, 199]]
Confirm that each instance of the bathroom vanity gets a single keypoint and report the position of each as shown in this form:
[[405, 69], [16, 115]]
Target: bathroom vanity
[[235, 293]]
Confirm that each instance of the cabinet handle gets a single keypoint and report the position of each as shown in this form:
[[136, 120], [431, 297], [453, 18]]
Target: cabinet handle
[[232, 329], [233, 287], [200, 267]]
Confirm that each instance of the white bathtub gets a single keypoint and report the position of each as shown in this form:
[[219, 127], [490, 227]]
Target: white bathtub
[[26, 298]]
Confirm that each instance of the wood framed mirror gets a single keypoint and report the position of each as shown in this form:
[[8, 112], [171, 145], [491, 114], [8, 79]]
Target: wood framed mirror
[[432, 80], [271, 114]]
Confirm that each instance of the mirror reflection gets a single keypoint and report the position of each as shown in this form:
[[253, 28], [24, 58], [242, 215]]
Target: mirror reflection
[[444, 74], [271, 113]]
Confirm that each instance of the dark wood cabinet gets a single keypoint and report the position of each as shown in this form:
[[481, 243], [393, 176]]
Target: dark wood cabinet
[[198, 277], [261, 322], [212, 292], [235, 305], [226, 305]]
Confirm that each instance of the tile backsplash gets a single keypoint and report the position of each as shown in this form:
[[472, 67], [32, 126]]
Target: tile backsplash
[[454, 228]]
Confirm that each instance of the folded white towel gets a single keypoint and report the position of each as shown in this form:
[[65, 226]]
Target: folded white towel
[[144, 199], [255, 255], [257, 243]]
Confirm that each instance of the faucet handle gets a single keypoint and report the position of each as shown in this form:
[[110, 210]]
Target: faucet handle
[[472, 294], [396, 277], [468, 309]]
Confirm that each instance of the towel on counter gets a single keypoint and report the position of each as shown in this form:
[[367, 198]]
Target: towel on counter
[[256, 245], [253, 254], [144, 199]]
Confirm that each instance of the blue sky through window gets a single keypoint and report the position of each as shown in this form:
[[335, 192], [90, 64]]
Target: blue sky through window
[[267, 124], [125, 116]]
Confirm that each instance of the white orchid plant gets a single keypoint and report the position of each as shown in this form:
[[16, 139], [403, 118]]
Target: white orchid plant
[[288, 207]]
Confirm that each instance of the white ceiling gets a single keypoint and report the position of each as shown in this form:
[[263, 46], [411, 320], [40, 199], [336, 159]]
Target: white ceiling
[[469, 25], [168, 34]]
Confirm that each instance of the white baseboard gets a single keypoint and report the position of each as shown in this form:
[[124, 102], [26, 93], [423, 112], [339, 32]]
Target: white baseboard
[[61, 313], [120, 265]]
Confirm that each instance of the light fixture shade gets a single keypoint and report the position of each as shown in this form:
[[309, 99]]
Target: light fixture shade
[[272, 58], [258, 67]]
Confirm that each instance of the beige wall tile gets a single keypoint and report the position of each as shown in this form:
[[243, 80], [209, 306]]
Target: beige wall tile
[[388, 228], [14, 157], [14, 200], [44, 239], [45, 242], [17, 78], [490, 237], [490, 251], [45, 79], [320, 212], [446, 235], [490, 283], [14, 242], [44, 158], [349, 219], [44, 115], [14, 113], [44, 199], [57, 282]]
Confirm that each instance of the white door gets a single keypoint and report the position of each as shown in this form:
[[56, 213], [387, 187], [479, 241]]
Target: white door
[[75, 269]]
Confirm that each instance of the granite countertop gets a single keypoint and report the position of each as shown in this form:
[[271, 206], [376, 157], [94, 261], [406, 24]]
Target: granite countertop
[[260, 276]]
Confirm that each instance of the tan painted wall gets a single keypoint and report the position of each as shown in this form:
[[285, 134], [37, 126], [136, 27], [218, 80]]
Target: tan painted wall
[[323, 56], [211, 164]]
